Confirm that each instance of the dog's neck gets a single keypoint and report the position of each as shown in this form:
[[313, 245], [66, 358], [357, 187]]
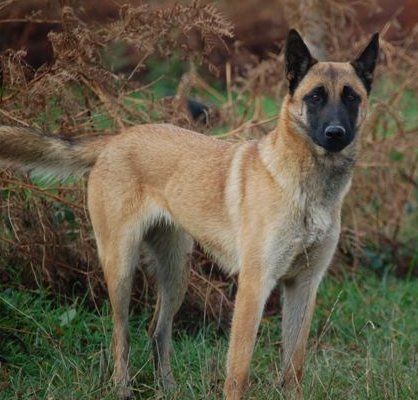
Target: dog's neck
[[295, 162]]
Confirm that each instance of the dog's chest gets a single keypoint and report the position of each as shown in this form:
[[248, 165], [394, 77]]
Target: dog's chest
[[315, 225], [312, 221], [315, 211]]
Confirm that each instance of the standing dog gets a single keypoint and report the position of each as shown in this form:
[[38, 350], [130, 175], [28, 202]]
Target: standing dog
[[267, 209]]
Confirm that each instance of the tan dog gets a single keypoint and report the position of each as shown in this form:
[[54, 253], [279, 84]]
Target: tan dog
[[268, 209]]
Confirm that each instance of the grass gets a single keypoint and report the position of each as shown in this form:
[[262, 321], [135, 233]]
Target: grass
[[364, 345]]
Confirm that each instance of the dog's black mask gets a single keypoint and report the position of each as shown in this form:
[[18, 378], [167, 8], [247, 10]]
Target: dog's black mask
[[332, 123]]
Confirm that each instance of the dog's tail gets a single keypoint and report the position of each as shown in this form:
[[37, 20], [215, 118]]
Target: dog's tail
[[29, 150]]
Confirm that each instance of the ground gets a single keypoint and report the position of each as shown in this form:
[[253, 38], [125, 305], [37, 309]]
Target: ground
[[363, 345]]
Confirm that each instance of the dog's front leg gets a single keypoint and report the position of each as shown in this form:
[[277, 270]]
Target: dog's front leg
[[254, 287], [299, 303]]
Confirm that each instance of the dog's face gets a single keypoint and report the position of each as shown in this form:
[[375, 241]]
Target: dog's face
[[328, 100]]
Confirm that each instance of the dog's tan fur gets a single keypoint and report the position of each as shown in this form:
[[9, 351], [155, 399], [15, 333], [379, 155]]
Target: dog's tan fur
[[267, 210]]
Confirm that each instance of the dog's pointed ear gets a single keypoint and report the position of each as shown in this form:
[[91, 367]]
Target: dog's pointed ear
[[364, 65], [298, 59]]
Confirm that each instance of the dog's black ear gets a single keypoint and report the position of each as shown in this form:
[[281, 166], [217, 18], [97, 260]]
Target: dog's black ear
[[298, 59], [364, 65]]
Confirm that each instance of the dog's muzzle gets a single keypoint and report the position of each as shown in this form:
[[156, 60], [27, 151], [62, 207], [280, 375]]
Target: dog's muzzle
[[335, 138], [335, 132]]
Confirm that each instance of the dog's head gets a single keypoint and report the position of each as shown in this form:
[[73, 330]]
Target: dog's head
[[327, 101]]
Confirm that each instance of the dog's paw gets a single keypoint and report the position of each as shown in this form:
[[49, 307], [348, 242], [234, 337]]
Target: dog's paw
[[168, 383], [125, 393]]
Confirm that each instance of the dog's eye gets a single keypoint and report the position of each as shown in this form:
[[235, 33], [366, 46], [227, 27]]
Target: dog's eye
[[349, 95], [316, 98]]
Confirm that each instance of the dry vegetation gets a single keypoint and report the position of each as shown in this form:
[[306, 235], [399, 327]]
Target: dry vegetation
[[45, 235]]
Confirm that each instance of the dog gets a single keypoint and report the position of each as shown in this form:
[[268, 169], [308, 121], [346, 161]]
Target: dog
[[268, 210]]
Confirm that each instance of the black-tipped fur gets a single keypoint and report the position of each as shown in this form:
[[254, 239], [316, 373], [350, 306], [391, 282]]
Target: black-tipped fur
[[365, 64], [30, 150], [298, 59]]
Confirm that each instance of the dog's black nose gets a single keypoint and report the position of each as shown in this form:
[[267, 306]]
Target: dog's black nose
[[335, 132]]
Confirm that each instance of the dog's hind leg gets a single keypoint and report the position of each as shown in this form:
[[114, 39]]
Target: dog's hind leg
[[119, 217], [119, 259], [171, 247]]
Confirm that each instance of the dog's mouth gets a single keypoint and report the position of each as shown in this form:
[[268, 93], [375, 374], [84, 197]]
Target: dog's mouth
[[333, 139], [334, 146]]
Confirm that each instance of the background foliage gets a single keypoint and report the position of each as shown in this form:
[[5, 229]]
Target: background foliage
[[182, 63]]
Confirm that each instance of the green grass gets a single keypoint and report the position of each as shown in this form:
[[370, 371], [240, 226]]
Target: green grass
[[364, 345]]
